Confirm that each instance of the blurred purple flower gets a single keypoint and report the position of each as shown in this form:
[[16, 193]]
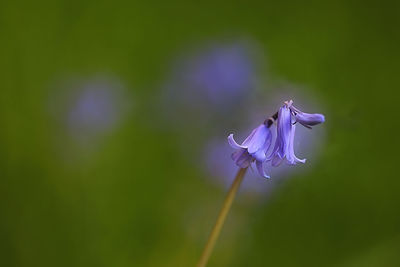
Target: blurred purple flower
[[253, 148], [96, 108], [223, 73], [217, 77]]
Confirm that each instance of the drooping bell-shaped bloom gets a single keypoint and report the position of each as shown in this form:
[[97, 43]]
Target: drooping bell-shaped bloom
[[284, 148], [253, 148], [307, 119]]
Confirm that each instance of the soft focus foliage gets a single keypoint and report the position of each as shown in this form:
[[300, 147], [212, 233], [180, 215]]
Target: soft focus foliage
[[140, 195]]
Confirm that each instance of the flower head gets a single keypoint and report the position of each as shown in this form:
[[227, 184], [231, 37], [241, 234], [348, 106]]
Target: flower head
[[253, 148]]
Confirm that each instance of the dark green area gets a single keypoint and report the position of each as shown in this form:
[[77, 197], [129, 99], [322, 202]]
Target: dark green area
[[136, 200]]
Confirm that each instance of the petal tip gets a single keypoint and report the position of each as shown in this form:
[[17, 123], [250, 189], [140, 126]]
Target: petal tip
[[260, 169], [233, 143]]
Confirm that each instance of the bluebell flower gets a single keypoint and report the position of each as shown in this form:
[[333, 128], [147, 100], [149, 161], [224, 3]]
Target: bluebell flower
[[283, 148], [307, 119], [288, 115], [217, 161], [253, 148], [257, 144]]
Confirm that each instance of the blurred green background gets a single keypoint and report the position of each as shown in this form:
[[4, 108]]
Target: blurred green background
[[131, 197]]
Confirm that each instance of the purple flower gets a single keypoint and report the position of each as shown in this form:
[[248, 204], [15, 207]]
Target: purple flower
[[286, 131], [307, 119], [284, 140], [253, 148], [256, 146], [218, 164]]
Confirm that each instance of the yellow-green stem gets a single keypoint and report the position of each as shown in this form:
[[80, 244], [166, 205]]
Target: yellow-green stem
[[221, 218]]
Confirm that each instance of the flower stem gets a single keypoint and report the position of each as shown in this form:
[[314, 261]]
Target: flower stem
[[221, 218]]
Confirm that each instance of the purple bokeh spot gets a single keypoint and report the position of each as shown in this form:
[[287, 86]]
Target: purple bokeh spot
[[95, 108], [222, 72], [217, 77]]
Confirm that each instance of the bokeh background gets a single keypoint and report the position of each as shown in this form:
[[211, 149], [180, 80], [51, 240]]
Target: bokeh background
[[114, 117]]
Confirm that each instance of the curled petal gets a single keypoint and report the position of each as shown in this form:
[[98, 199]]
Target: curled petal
[[233, 143], [261, 169]]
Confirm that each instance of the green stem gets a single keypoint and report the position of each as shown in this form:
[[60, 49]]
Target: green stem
[[221, 218]]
